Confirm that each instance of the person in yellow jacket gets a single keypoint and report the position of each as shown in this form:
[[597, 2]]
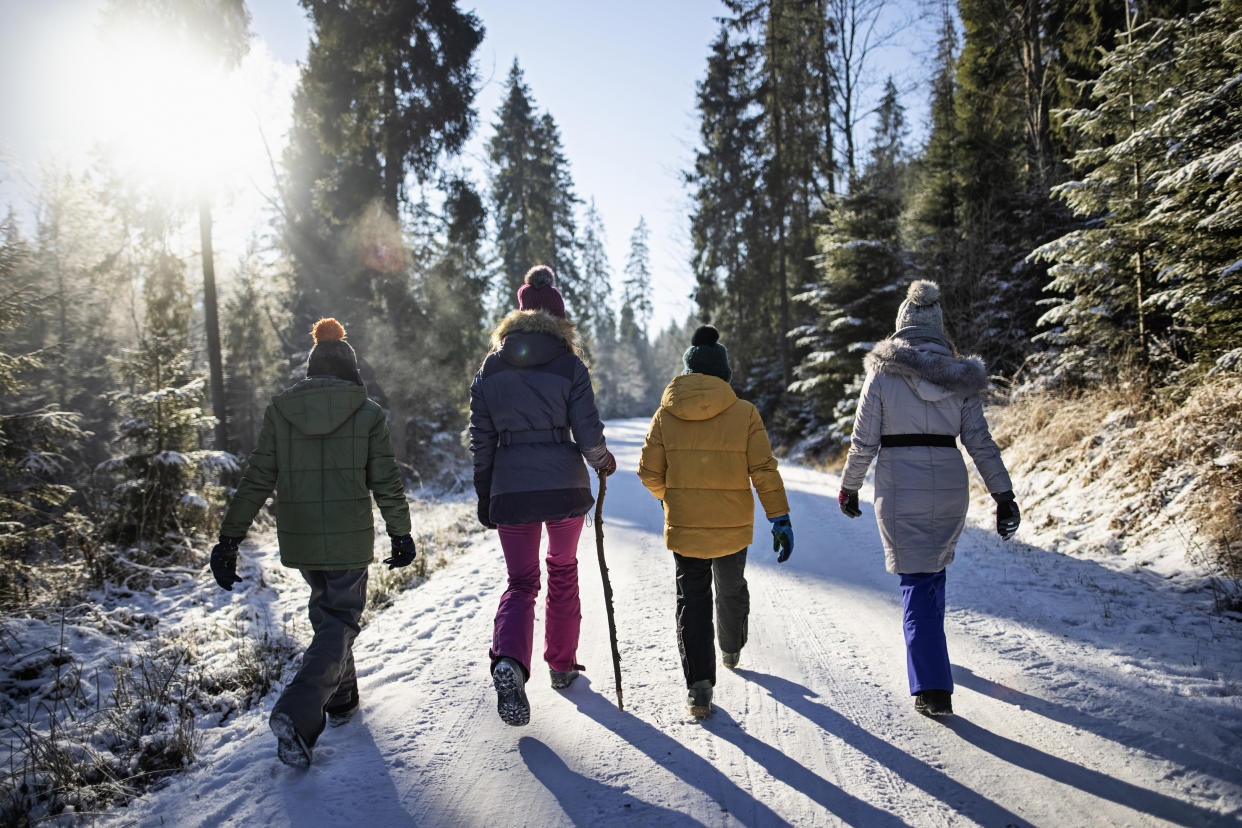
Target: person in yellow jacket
[[703, 451]]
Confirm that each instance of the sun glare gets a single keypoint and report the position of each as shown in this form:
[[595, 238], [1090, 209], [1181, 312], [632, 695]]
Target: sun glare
[[163, 112]]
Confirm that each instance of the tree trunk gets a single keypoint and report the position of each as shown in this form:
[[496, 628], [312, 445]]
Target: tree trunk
[[779, 195], [394, 153], [212, 321], [1039, 153], [826, 94]]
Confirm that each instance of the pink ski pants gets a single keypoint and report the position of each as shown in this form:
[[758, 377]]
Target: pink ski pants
[[514, 632]]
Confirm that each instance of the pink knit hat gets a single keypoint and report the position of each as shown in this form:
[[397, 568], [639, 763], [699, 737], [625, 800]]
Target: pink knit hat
[[538, 292]]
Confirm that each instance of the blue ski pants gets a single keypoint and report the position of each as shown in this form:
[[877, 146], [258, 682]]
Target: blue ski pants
[[927, 653]]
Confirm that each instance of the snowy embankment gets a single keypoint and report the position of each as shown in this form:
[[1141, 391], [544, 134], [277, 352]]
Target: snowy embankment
[[1085, 696]]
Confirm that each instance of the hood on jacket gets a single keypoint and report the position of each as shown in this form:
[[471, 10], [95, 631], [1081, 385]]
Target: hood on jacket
[[319, 405], [931, 369], [697, 397], [536, 322]]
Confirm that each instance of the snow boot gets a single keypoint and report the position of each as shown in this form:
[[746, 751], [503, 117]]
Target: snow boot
[[510, 684], [562, 678], [730, 660], [339, 714], [699, 699], [934, 702], [290, 746]]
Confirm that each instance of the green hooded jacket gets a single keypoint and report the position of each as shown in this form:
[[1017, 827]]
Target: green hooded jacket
[[324, 448]]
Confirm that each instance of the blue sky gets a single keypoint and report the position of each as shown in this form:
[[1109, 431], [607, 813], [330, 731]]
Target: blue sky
[[618, 78]]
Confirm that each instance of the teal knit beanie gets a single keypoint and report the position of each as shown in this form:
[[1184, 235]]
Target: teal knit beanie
[[706, 355]]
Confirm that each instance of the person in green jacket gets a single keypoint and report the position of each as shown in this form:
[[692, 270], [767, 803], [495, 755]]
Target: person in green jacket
[[324, 449]]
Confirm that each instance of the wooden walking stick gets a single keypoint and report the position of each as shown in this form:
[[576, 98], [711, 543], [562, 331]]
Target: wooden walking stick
[[603, 571]]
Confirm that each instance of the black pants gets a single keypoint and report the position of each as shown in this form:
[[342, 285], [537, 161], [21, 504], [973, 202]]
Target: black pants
[[327, 676], [694, 611]]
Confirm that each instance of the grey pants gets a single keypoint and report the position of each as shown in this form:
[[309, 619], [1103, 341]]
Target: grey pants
[[327, 675], [694, 611]]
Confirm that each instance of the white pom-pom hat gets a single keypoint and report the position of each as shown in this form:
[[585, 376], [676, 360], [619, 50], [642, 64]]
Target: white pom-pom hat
[[922, 307]]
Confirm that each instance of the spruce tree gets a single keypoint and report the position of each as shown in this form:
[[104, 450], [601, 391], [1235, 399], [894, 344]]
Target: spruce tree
[[385, 99], [532, 196], [1198, 189], [1152, 277], [595, 316], [37, 523], [637, 285], [386, 93], [930, 226], [251, 354], [157, 489], [862, 264], [725, 223]]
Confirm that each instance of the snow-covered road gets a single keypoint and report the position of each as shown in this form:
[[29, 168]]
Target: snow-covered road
[[1086, 696]]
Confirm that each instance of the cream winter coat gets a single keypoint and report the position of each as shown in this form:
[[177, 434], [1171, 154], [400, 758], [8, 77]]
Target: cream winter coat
[[921, 492]]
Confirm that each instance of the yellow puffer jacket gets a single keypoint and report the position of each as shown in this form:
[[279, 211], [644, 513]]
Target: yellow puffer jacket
[[704, 449]]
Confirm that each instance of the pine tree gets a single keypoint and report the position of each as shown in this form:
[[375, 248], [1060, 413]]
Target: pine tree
[[1005, 166], [863, 263], [930, 226], [386, 93], [1152, 277], [595, 316], [765, 119], [251, 354], [634, 379], [36, 520], [725, 223], [385, 99], [1198, 188], [533, 201], [161, 482], [637, 285]]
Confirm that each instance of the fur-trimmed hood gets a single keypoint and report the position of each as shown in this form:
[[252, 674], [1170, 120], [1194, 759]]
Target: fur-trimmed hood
[[964, 375], [536, 322]]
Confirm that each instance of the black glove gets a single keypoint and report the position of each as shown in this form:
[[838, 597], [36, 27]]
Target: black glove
[[224, 562], [609, 466], [782, 537], [485, 508], [847, 499], [1008, 516], [403, 551]]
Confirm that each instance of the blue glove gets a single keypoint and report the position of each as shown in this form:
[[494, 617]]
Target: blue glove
[[782, 537]]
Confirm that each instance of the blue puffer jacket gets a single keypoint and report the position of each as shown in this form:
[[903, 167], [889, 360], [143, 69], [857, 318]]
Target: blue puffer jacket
[[532, 421]]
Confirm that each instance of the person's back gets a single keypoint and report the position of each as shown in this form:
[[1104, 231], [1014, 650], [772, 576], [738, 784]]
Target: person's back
[[703, 452], [533, 422], [326, 444], [324, 450], [712, 446]]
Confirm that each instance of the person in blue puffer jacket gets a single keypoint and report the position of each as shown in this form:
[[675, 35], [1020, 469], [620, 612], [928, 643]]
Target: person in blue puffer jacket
[[533, 421]]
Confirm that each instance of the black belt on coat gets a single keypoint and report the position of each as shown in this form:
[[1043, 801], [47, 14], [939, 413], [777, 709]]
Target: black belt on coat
[[902, 440], [535, 435]]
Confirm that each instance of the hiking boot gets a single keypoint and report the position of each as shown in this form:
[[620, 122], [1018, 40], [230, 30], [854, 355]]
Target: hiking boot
[[290, 746], [934, 702], [341, 713], [699, 699], [562, 678], [510, 684], [730, 660]]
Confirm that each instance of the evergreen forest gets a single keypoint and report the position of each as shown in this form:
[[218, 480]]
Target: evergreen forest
[[1077, 196]]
